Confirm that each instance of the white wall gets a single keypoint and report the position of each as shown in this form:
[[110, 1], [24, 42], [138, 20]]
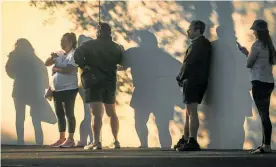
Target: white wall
[[231, 126]]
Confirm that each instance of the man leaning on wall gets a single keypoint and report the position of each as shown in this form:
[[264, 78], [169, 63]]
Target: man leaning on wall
[[193, 77]]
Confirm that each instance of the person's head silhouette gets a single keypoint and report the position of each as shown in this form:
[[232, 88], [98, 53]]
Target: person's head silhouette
[[24, 45], [146, 38]]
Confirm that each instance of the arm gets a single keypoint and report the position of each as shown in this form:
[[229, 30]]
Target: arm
[[242, 49], [71, 66], [65, 70], [51, 60], [252, 57], [191, 62], [79, 56], [124, 63]]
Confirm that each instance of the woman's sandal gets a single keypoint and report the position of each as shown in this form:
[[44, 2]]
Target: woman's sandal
[[251, 151], [260, 151]]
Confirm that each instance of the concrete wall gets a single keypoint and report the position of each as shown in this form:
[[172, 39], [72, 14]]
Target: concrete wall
[[157, 106]]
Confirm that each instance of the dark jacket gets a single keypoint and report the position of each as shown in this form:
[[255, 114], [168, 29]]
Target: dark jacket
[[197, 61], [99, 54]]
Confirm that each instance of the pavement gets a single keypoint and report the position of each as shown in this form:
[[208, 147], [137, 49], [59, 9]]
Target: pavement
[[44, 156]]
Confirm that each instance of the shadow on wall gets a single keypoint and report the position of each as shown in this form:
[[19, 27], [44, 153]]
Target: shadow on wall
[[30, 81], [85, 125], [168, 24], [153, 73], [227, 100]]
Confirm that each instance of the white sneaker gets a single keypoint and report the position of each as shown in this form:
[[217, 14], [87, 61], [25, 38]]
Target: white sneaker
[[94, 146]]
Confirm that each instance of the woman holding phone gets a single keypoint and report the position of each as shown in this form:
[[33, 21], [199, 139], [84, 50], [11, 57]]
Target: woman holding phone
[[260, 60]]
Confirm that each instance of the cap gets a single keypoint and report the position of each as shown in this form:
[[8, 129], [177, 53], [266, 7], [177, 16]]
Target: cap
[[259, 25]]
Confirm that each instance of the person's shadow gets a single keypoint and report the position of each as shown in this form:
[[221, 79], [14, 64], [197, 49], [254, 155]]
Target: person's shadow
[[156, 91], [85, 125], [227, 101], [30, 81]]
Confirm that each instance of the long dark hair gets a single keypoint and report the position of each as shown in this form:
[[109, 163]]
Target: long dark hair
[[264, 37]]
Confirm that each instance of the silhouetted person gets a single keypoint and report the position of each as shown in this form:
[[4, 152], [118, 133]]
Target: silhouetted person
[[30, 81], [193, 77], [227, 99], [99, 59], [153, 73], [85, 125], [260, 60]]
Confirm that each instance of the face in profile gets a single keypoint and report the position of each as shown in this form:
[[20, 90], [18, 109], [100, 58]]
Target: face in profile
[[191, 31], [255, 33]]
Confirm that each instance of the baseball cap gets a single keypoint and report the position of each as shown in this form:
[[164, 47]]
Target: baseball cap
[[259, 25]]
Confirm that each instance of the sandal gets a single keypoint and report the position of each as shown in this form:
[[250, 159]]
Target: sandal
[[261, 151], [251, 151]]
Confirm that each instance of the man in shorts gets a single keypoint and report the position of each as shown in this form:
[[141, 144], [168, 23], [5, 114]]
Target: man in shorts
[[101, 55], [193, 77]]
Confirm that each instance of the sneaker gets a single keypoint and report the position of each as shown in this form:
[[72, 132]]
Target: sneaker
[[58, 143], [116, 145], [191, 145], [180, 142], [69, 143], [94, 146]]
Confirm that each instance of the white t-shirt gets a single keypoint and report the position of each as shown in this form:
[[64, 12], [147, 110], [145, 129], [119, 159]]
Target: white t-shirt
[[64, 81]]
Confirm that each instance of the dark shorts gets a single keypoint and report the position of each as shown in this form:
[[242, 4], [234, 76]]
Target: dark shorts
[[105, 94], [194, 92]]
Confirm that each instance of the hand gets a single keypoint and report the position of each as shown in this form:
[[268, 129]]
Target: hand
[[180, 83], [55, 69], [178, 79], [54, 55]]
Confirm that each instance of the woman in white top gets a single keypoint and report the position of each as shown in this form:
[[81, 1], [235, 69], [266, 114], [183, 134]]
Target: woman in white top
[[260, 60], [65, 88]]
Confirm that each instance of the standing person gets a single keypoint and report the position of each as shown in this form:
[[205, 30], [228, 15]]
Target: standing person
[[65, 89], [260, 60], [193, 77], [99, 59]]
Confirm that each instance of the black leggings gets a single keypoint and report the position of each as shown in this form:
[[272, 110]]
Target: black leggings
[[261, 94], [64, 105]]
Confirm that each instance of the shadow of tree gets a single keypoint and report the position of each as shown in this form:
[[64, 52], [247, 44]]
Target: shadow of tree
[[168, 20]]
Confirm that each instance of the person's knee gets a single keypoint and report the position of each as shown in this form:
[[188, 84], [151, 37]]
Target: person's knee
[[192, 109], [96, 110], [110, 110], [70, 115]]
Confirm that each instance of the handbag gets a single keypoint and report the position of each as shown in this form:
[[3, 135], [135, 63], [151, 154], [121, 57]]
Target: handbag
[[49, 94]]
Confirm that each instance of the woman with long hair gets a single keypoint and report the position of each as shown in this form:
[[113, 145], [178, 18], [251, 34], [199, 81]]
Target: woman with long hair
[[260, 60]]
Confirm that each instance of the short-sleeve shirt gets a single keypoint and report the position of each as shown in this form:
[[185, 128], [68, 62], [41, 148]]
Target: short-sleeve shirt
[[64, 81]]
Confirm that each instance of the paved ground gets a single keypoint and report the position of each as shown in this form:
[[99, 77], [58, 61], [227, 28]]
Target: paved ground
[[37, 156]]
